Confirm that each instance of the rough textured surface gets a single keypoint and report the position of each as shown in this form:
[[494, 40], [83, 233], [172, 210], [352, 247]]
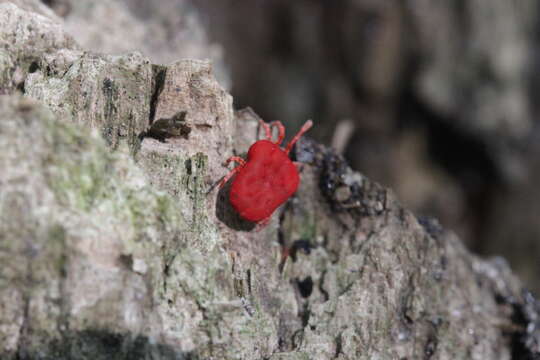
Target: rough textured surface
[[25, 39], [115, 249], [437, 100], [112, 95]]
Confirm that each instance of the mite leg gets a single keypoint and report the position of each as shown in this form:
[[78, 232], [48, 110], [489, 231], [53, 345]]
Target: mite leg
[[281, 131], [285, 255], [263, 223], [304, 128], [267, 130], [236, 159]]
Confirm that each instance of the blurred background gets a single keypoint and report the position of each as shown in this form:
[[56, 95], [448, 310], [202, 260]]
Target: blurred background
[[436, 99]]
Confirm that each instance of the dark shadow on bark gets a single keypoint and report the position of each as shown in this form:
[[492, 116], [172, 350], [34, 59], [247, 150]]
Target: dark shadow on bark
[[227, 214], [100, 345]]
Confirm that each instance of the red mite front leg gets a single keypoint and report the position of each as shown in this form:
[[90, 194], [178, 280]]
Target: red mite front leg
[[281, 131], [304, 128], [268, 130], [236, 159]]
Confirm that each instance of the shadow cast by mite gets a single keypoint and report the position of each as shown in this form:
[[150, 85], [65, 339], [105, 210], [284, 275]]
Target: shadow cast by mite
[[227, 214]]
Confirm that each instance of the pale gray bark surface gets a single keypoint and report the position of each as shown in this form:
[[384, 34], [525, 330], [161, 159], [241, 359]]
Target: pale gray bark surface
[[115, 244]]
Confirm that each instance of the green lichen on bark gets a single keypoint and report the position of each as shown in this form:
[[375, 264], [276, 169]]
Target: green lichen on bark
[[112, 95], [87, 193], [183, 177]]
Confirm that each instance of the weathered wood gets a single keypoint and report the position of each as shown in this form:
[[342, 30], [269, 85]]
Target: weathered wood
[[117, 245]]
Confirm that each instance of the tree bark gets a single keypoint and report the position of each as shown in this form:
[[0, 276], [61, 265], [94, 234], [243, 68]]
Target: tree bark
[[116, 244]]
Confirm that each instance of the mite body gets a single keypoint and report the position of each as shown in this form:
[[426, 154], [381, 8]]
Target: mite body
[[268, 177]]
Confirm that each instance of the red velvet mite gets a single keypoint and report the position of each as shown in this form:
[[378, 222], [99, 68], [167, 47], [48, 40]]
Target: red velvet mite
[[268, 177]]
